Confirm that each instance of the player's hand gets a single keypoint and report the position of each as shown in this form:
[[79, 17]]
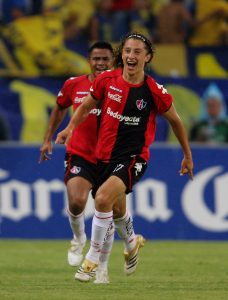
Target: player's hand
[[63, 136], [45, 151], [187, 167]]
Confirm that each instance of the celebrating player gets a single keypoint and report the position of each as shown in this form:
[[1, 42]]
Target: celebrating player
[[130, 102]]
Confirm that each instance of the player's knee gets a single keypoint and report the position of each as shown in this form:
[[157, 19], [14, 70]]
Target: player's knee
[[102, 201], [77, 204], [118, 212]]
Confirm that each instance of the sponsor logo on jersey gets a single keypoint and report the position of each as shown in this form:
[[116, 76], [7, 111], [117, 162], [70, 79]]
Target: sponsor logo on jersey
[[95, 111], [60, 94], [75, 170], [127, 120], [115, 89], [115, 97], [78, 100], [82, 93], [161, 87], [141, 104]]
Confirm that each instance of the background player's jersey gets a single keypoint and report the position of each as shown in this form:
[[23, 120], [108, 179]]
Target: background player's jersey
[[128, 115], [84, 138]]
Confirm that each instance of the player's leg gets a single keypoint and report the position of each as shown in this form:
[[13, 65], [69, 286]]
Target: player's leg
[[80, 176], [130, 173], [102, 225], [124, 223], [117, 180], [124, 226], [102, 270], [78, 189]]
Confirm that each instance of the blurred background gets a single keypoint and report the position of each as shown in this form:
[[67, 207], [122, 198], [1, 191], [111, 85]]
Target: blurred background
[[42, 43]]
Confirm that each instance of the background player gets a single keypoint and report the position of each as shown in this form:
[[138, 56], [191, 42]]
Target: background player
[[80, 160]]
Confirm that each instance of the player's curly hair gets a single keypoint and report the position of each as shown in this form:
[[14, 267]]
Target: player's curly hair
[[138, 36]]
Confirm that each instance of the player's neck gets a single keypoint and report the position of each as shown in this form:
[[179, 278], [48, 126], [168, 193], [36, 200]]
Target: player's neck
[[91, 77], [136, 78]]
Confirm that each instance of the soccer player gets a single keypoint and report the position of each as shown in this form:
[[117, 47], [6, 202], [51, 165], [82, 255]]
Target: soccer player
[[131, 100], [80, 160]]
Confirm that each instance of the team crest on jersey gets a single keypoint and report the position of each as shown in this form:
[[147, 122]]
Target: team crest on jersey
[[75, 170], [140, 104]]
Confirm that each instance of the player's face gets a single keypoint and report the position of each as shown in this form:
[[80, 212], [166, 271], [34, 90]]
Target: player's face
[[100, 60], [134, 56]]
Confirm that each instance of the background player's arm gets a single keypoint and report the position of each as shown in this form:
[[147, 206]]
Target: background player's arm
[[57, 115], [78, 117], [178, 128]]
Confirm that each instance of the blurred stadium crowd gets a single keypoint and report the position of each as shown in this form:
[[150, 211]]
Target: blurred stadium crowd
[[50, 38]]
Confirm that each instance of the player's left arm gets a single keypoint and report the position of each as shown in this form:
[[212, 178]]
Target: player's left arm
[[178, 128]]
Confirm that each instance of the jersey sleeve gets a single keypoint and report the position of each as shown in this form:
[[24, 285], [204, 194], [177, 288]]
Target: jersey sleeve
[[162, 99], [64, 96], [97, 88]]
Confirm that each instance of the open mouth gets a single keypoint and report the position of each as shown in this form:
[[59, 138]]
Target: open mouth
[[100, 70], [131, 65]]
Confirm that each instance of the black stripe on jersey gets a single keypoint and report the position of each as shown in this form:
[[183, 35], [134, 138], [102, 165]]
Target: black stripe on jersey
[[131, 136]]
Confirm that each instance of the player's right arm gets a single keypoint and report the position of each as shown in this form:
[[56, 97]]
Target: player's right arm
[[57, 115], [79, 116]]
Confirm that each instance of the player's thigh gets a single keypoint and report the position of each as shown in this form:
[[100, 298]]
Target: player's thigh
[[78, 189], [109, 192]]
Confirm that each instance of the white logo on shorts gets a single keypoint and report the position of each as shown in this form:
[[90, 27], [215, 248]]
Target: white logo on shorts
[[138, 168], [118, 167], [75, 170]]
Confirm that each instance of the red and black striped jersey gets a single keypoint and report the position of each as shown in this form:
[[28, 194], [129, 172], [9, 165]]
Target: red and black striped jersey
[[128, 117], [84, 138]]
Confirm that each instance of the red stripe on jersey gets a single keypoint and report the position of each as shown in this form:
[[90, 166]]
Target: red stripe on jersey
[[68, 168], [130, 173], [149, 137], [108, 134]]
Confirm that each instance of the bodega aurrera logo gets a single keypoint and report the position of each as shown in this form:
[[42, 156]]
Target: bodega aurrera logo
[[126, 119]]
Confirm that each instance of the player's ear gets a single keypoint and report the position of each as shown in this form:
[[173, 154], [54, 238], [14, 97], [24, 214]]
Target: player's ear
[[148, 58]]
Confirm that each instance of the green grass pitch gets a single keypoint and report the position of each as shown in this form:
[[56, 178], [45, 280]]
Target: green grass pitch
[[166, 271]]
